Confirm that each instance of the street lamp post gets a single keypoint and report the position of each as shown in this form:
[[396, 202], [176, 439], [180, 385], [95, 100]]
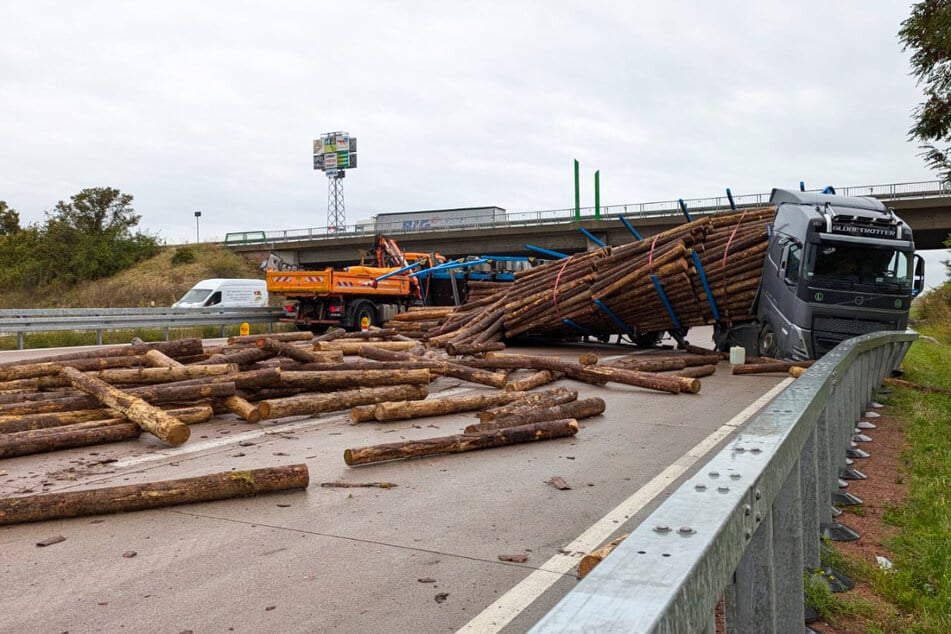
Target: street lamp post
[[197, 216]]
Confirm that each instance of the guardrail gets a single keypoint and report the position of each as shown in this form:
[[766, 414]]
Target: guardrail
[[633, 211], [749, 522], [20, 322]]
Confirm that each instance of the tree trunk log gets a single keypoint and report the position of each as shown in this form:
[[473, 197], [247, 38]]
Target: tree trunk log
[[542, 377], [548, 398], [151, 419], [310, 404], [697, 371], [134, 497], [460, 443], [778, 366], [297, 353], [592, 559], [354, 347], [335, 380], [91, 432], [580, 409], [404, 410]]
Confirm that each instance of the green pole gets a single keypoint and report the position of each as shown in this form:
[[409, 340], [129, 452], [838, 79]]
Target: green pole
[[597, 194], [577, 194]]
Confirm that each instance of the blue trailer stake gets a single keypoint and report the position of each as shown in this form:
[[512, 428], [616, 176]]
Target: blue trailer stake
[[591, 237], [400, 270], [630, 228], [729, 195], [683, 208], [666, 302], [548, 252], [706, 287], [575, 324], [610, 313]]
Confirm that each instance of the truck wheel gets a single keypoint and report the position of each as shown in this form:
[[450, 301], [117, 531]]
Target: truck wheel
[[766, 345], [363, 311]]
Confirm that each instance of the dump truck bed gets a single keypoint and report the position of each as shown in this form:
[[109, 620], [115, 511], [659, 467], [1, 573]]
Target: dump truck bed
[[361, 280]]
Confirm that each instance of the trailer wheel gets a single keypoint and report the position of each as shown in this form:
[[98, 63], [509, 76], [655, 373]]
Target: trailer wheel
[[363, 310], [766, 344], [647, 339]]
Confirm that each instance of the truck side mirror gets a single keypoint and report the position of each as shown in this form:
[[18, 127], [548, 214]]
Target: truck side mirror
[[918, 284]]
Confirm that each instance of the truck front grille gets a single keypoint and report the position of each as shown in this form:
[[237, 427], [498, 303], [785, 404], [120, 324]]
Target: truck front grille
[[828, 332]]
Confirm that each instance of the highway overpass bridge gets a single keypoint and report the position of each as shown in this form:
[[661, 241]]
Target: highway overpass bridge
[[926, 206]]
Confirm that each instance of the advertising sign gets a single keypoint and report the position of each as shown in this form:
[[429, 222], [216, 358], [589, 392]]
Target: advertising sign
[[335, 151]]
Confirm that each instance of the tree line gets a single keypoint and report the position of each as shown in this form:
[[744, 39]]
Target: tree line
[[91, 236]]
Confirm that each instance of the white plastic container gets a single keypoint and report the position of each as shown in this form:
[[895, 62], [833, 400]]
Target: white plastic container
[[737, 355]]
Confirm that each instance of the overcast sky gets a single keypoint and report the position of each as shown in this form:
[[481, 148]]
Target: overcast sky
[[213, 106]]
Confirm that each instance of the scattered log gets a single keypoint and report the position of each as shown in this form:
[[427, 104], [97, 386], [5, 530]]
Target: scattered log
[[151, 419], [460, 443], [592, 559], [549, 398], [134, 497], [297, 353], [697, 372], [579, 409], [473, 348], [300, 335], [354, 347], [405, 410], [87, 433], [445, 368], [542, 377], [333, 380], [915, 386], [310, 404], [776, 366]]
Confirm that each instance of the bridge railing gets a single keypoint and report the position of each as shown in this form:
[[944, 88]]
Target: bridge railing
[[22, 321], [748, 523], [663, 208]]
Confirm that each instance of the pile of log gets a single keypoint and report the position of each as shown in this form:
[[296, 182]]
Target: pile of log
[[91, 397], [686, 276]]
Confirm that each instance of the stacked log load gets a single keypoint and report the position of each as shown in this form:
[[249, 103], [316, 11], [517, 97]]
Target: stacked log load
[[686, 276]]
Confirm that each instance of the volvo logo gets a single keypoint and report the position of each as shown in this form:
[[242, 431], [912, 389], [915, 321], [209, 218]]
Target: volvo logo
[[859, 300]]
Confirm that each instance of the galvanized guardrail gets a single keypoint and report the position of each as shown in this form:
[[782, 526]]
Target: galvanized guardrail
[[22, 321], [748, 523], [633, 211]]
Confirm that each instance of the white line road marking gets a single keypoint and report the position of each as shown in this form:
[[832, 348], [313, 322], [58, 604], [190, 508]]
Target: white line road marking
[[512, 603]]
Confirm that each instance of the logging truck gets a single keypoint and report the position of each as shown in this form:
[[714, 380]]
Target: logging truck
[[836, 267], [357, 296]]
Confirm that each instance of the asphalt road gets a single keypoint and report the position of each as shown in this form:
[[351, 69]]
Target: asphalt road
[[423, 556]]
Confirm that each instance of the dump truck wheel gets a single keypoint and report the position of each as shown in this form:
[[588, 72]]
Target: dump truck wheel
[[364, 310]]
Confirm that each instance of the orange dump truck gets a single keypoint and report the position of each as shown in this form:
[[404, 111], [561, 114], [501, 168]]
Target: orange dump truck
[[355, 297]]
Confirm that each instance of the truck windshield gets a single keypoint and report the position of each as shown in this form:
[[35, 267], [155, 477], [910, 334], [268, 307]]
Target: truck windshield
[[844, 266]]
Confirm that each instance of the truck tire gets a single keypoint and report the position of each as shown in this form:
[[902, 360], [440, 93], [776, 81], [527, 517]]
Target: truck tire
[[766, 344], [363, 309]]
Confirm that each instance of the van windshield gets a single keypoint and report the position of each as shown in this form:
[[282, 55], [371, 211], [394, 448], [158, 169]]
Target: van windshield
[[196, 295]]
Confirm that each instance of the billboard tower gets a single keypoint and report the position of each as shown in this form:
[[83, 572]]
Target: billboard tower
[[334, 154]]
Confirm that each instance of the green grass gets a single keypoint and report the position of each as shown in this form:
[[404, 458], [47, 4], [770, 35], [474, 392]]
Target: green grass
[[920, 581], [916, 592], [62, 339]]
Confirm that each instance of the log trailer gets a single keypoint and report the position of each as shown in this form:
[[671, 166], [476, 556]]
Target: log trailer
[[836, 267]]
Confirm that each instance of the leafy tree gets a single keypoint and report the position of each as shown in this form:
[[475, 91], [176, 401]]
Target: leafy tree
[[91, 236], [9, 219], [927, 33]]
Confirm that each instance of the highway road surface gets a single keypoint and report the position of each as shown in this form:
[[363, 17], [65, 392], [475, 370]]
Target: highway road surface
[[427, 555]]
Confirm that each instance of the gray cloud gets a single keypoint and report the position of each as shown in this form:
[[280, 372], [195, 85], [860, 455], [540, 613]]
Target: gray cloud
[[212, 106]]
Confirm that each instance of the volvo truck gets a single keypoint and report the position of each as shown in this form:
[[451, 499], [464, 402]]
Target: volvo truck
[[836, 267]]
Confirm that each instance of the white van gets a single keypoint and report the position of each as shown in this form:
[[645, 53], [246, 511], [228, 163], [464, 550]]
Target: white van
[[225, 293]]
